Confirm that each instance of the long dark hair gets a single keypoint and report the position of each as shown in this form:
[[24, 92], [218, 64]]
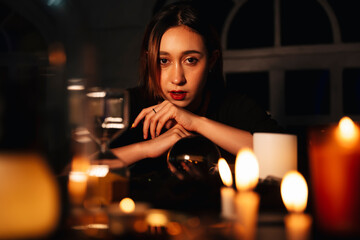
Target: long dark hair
[[181, 13]]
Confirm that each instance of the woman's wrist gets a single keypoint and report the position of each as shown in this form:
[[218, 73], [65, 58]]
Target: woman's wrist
[[195, 123], [199, 122], [142, 149], [131, 153]]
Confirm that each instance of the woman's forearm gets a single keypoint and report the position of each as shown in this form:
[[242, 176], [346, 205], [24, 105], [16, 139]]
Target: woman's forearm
[[150, 148], [131, 153], [229, 138]]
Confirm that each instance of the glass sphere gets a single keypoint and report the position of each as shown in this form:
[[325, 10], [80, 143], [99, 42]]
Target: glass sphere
[[193, 157]]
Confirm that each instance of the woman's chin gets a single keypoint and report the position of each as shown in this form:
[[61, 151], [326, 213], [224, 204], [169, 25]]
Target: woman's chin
[[182, 104]]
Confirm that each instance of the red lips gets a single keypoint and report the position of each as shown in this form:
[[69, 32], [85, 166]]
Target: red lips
[[178, 95]]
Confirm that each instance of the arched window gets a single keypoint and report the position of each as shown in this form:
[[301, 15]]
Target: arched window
[[300, 59]]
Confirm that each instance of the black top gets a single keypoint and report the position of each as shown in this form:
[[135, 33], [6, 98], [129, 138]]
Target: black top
[[236, 110]]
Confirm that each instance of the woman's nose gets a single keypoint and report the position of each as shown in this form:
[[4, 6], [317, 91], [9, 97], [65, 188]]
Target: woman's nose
[[178, 77]]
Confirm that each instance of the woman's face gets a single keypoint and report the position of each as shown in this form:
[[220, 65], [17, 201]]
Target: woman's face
[[184, 67]]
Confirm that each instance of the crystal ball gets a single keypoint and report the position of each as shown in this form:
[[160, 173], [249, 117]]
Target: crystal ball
[[193, 157]]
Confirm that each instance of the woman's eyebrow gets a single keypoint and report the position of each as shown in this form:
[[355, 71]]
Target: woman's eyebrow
[[192, 51], [185, 52]]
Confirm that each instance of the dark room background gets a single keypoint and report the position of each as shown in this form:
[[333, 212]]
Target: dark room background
[[300, 59]]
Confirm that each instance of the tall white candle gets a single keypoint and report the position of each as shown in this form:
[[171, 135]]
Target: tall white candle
[[227, 191], [276, 153]]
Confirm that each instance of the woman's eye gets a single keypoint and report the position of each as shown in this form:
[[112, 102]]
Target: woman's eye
[[192, 60], [163, 61]]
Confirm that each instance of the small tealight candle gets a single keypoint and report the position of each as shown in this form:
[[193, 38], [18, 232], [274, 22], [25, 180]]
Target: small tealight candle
[[78, 179], [294, 192], [127, 205], [246, 200], [127, 217], [77, 187], [227, 191], [157, 221]]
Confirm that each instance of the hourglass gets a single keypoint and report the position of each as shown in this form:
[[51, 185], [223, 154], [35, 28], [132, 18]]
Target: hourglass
[[107, 118]]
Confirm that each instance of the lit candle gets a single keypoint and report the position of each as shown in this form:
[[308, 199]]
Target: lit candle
[[127, 205], [227, 191], [246, 200], [294, 193], [157, 220], [99, 190], [347, 133], [335, 168], [127, 217], [77, 187], [78, 179], [30, 201]]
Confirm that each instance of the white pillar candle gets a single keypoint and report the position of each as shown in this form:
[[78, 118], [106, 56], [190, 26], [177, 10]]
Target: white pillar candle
[[276, 153], [227, 191]]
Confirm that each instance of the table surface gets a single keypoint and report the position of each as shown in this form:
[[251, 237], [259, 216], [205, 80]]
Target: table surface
[[189, 198]]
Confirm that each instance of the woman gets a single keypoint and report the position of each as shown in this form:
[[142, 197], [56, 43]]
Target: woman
[[182, 93]]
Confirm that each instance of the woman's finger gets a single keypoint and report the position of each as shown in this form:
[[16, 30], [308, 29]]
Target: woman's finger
[[162, 119], [157, 112], [146, 123], [182, 132], [154, 122], [140, 116], [150, 110], [170, 123]]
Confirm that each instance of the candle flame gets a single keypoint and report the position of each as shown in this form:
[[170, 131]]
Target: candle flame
[[294, 191], [80, 164], [246, 170], [225, 172], [157, 218], [127, 205], [347, 132]]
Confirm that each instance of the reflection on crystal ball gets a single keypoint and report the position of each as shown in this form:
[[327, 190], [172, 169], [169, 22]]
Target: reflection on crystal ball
[[194, 156]]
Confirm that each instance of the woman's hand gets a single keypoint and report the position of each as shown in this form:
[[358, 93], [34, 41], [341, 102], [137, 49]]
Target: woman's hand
[[165, 114], [152, 148], [158, 146]]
